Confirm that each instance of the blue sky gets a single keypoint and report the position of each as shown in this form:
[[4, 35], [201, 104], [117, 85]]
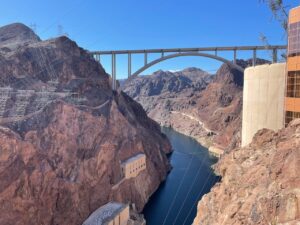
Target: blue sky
[[140, 24]]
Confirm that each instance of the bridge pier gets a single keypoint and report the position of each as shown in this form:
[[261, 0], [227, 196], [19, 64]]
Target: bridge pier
[[113, 71], [145, 59], [254, 58], [129, 65], [97, 57], [275, 58], [234, 56]]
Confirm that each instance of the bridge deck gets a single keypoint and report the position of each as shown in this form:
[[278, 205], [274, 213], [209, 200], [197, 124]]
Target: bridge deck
[[203, 49]]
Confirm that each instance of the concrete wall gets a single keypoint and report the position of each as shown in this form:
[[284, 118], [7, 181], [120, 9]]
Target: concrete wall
[[121, 218], [133, 166], [124, 216], [263, 100], [112, 213]]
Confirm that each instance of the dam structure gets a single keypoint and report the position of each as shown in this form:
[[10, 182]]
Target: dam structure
[[263, 99], [271, 97], [133, 166], [113, 213]]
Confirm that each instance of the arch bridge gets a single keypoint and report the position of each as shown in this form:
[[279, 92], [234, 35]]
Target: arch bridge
[[165, 54]]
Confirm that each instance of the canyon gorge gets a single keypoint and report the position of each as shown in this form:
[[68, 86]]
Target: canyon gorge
[[260, 183], [64, 135]]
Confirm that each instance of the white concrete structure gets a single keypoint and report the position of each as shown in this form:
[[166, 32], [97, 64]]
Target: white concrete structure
[[134, 165], [263, 100], [112, 213]]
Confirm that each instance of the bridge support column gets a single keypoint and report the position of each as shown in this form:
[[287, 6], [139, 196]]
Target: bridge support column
[[254, 58], [274, 55], [145, 59], [162, 54], [113, 71], [97, 57], [129, 65], [234, 56]]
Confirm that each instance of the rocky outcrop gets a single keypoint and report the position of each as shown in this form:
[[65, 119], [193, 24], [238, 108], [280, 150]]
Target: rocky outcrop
[[64, 133], [15, 35], [219, 106], [260, 182]]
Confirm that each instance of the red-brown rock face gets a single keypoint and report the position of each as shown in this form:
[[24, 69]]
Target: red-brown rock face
[[260, 183], [63, 134]]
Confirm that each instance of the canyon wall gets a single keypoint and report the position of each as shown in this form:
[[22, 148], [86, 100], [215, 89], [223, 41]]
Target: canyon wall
[[64, 134], [260, 182]]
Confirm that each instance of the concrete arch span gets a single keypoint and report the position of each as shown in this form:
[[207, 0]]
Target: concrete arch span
[[156, 61]]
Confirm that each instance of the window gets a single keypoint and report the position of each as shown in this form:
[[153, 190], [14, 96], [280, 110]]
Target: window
[[289, 116], [293, 84], [294, 38]]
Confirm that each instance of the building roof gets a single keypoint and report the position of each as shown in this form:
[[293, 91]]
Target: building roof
[[134, 158], [105, 213]]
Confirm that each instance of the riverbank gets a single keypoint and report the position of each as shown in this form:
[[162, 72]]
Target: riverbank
[[191, 126], [212, 147]]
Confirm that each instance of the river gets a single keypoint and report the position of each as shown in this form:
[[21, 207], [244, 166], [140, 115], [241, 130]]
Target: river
[[175, 202]]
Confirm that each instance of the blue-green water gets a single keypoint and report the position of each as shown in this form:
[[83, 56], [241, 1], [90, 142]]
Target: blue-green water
[[175, 202]]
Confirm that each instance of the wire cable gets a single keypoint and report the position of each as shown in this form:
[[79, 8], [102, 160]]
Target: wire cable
[[198, 196], [177, 191], [191, 187]]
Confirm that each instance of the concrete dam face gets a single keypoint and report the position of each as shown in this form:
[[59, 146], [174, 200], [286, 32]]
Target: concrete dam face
[[263, 99]]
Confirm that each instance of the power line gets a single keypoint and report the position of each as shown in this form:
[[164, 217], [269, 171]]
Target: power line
[[190, 189], [177, 191]]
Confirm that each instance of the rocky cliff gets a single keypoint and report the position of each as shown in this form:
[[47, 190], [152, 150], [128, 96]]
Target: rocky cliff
[[260, 182], [64, 133]]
